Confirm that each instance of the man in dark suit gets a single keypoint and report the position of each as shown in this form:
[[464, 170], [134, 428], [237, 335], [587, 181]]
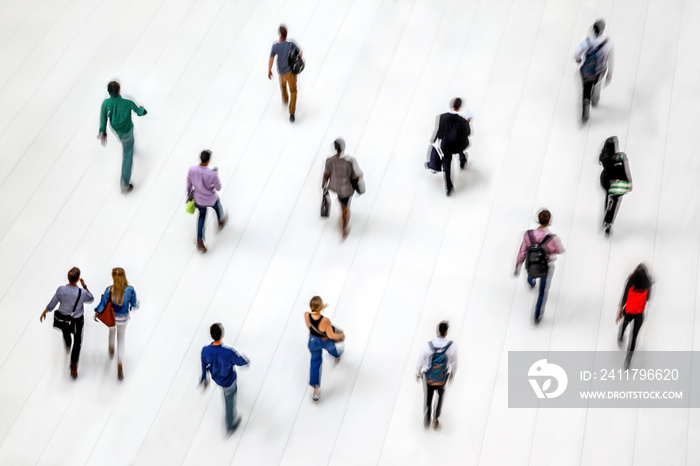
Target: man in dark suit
[[453, 132]]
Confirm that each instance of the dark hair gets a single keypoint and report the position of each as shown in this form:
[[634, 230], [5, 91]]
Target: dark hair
[[205, 156], [283, 31], [456, 104], [113, 88], [598, 27], [443, 327], [339, 145], [640, 278], [544, 217], [74, 275], [216, 331]]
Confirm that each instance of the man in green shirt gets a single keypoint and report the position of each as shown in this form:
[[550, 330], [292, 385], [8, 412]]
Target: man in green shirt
[[118, 111]]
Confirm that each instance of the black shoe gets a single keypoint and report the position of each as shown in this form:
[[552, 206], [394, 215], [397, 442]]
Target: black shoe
[[586, 110], [426, 422], [607, 226], [74, 370], [628, 360], [449, 191], [200, 246], [128, 189], [291, 117], [538, 318], [235, 426], [462, 164]]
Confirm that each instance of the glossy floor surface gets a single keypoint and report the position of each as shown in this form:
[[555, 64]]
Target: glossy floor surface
[[378, 72]]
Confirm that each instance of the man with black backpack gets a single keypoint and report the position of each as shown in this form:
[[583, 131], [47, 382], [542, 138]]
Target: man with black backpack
[[453, 132], [595, 54], [538, 249], [289, 64], [437, 364]]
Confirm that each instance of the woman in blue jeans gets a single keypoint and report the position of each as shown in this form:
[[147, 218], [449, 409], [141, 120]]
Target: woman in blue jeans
[[322, 336]]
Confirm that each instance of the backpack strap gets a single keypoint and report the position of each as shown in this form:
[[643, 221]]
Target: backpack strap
[[432, 348], [546, 238], [530, 237], [447, 345]]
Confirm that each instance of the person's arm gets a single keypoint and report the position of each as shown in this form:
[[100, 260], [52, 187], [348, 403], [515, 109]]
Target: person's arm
[[239, 360], [623, 300], [133, 302], [439, 130], [580, 49], [103, 302], [327, 328], [140, 111], [216, 181], [469, 128], [424, 354], [307, 319], [326, 177], [610, 65], [103, 123], [452, 359], [270, 62], [556, 246], [521, 253], [204, 380], [627, 170], [50, 306], [190, 186]]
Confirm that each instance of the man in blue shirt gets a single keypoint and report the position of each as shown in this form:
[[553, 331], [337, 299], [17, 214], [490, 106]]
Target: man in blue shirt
[[281, 49], [220, 361]]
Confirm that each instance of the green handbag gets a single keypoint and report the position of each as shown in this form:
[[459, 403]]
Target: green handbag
[[189, 207], [619, 187]]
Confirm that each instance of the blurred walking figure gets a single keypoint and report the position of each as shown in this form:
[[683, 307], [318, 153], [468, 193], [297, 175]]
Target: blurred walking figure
[[221, 361], [453, 132], [123, 298], [595, 54], [322, 335], [203, 183], [284, 50], [437, 365], [632, 305], [118, 110], [342, 176], [615, 179], [538, 250], [69, 317]]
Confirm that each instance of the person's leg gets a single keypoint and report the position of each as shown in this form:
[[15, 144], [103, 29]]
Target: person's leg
[[638, 321], [78, 341], [112, 334], [316, 360], [586, 97], [542, 297], [67, 338], [447, 168], [219, 210], [531, 281], [595, 92], [332, 349], [292, 81], [613, 205], [429, 390], [283, 86], [345, 216], [463, 159], [438, 409], [127, 140], [121, 342], [230, 402], [201, 221]]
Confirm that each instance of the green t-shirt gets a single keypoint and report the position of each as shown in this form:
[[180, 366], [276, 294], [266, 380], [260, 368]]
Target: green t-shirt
[[118, 111]]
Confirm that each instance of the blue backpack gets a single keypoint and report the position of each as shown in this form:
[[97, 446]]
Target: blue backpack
[[592, 64], [437, 372]]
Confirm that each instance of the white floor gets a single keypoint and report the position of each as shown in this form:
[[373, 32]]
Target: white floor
[[377, 74]]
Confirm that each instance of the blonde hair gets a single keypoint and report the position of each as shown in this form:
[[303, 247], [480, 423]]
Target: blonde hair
[[316, 304], [120, 284]]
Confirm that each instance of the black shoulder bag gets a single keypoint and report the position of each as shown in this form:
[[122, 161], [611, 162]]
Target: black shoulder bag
[[63, 322]]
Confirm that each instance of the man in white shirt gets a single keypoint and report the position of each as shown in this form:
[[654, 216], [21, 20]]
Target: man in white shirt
[[437, 364], [595, 55]]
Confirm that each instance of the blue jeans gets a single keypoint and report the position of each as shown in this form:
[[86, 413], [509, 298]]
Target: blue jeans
[[127, 140], [203, 217], [542, 298], [316, 346], [230, 399]]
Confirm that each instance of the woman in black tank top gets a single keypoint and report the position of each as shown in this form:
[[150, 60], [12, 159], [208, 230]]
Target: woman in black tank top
[[322, 336]]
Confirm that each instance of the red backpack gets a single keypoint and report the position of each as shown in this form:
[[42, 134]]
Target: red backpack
[[636, 301]]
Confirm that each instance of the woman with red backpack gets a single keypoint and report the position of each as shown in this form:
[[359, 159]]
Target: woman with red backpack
[[632, 306]]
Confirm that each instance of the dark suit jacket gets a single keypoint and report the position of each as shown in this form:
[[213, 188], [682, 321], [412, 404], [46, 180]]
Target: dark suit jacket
[[454, 132]]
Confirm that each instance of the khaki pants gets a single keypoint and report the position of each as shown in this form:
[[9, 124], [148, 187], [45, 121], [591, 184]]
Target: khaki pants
[[289, 79]]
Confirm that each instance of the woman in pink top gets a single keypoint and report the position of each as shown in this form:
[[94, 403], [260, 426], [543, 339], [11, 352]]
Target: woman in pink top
[[538, 249]]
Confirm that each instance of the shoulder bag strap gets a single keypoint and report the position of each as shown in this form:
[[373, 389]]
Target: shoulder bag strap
[[76, 302]]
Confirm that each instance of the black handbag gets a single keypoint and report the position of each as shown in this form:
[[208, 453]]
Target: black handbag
[[325, 204], [63, 322]]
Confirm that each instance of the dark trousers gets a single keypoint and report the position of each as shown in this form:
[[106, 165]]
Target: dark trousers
[[447, 166], [429, 391], [612, 203], [77, 329], [588, 87], [542, 297], [638, 320], [203, 217]]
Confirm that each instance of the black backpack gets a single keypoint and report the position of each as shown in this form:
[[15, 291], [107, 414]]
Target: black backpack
[[296, 63], [536, 262]]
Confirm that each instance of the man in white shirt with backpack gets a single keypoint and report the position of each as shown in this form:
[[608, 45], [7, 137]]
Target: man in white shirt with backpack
[[437, 364], [595, 55]]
